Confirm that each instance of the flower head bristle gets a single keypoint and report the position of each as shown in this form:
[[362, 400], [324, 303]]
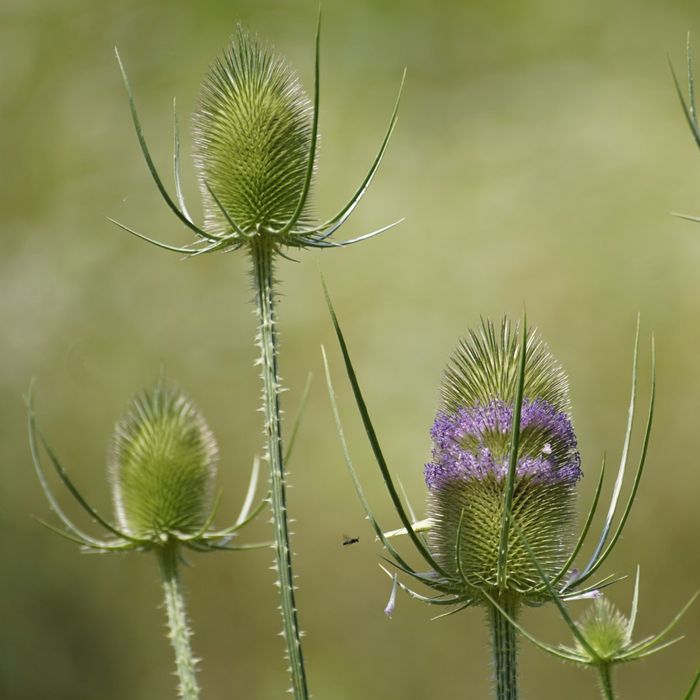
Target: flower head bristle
[[484, 368]]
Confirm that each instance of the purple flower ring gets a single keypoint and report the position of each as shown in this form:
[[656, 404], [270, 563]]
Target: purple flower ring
[[474, 443]]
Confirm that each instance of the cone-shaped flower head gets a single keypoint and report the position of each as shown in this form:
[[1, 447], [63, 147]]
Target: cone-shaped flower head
[[605, 629], [162, 466], [471, 455], [252, 134]]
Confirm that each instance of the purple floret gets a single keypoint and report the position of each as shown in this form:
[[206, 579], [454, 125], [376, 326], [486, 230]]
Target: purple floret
[[453, 461]]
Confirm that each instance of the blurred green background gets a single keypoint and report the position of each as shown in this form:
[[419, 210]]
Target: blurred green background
[[539, 152]]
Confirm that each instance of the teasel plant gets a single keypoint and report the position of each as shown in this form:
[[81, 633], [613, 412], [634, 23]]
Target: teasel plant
[[162, 470], [255, 135], [603, 635], [504, 472]]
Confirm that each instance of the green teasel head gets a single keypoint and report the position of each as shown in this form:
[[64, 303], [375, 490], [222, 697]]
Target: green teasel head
[[605, 629], [252, 132], [470, 494], [255, 137], [162, 465]]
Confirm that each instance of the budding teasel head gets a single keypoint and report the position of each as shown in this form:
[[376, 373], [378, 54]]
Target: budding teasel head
[[255, 137], [501, 483], [162, 472], [603, 635]]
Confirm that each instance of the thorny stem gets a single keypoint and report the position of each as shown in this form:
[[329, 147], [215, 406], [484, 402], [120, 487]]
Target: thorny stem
[[178, 628], [605, 671], [263, 277], [504, 650]]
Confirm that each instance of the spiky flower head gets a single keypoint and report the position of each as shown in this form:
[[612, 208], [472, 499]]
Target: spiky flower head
[[472, 442], [605, 629], [255, 142], [162, 465], [252, 135]]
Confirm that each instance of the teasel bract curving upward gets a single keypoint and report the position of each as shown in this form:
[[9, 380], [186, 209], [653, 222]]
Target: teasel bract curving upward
[[255, 138], [162, 469], [501, 488]]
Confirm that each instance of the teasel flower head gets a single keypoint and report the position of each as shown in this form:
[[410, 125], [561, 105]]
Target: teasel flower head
[[252, 132], [162, 465], [162, 470], [255, 137], [501, 485], [468, 477]]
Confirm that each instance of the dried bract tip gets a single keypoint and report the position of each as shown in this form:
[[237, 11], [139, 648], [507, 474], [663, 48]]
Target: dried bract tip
[[252, 135], [162, 465]]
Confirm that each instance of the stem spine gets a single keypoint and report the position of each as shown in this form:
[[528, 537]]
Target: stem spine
[[262, 252]]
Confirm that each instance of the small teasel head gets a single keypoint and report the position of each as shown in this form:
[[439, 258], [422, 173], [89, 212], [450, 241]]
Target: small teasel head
[[603, 636], [471, 457], [162, 465], [252, 136], [605, 630]]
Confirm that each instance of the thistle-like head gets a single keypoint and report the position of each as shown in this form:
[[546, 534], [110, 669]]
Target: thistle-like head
[[605, 631], [467, 477], [252, 132], [255, 139], [162, 465]]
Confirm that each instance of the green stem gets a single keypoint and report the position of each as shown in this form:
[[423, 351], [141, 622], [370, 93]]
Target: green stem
[[504, 650], [178, 629], [605, 672], [262, 254]]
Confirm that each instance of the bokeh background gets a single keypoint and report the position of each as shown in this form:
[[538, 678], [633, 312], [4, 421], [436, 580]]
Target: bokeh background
[[539, 152]]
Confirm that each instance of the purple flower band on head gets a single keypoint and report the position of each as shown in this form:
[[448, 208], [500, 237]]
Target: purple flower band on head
[[453, 461]]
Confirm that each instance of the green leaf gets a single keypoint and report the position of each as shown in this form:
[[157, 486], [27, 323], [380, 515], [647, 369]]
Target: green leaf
[[297, 421], [597, 562], [374, 442], [353, 474], [149, 161]]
